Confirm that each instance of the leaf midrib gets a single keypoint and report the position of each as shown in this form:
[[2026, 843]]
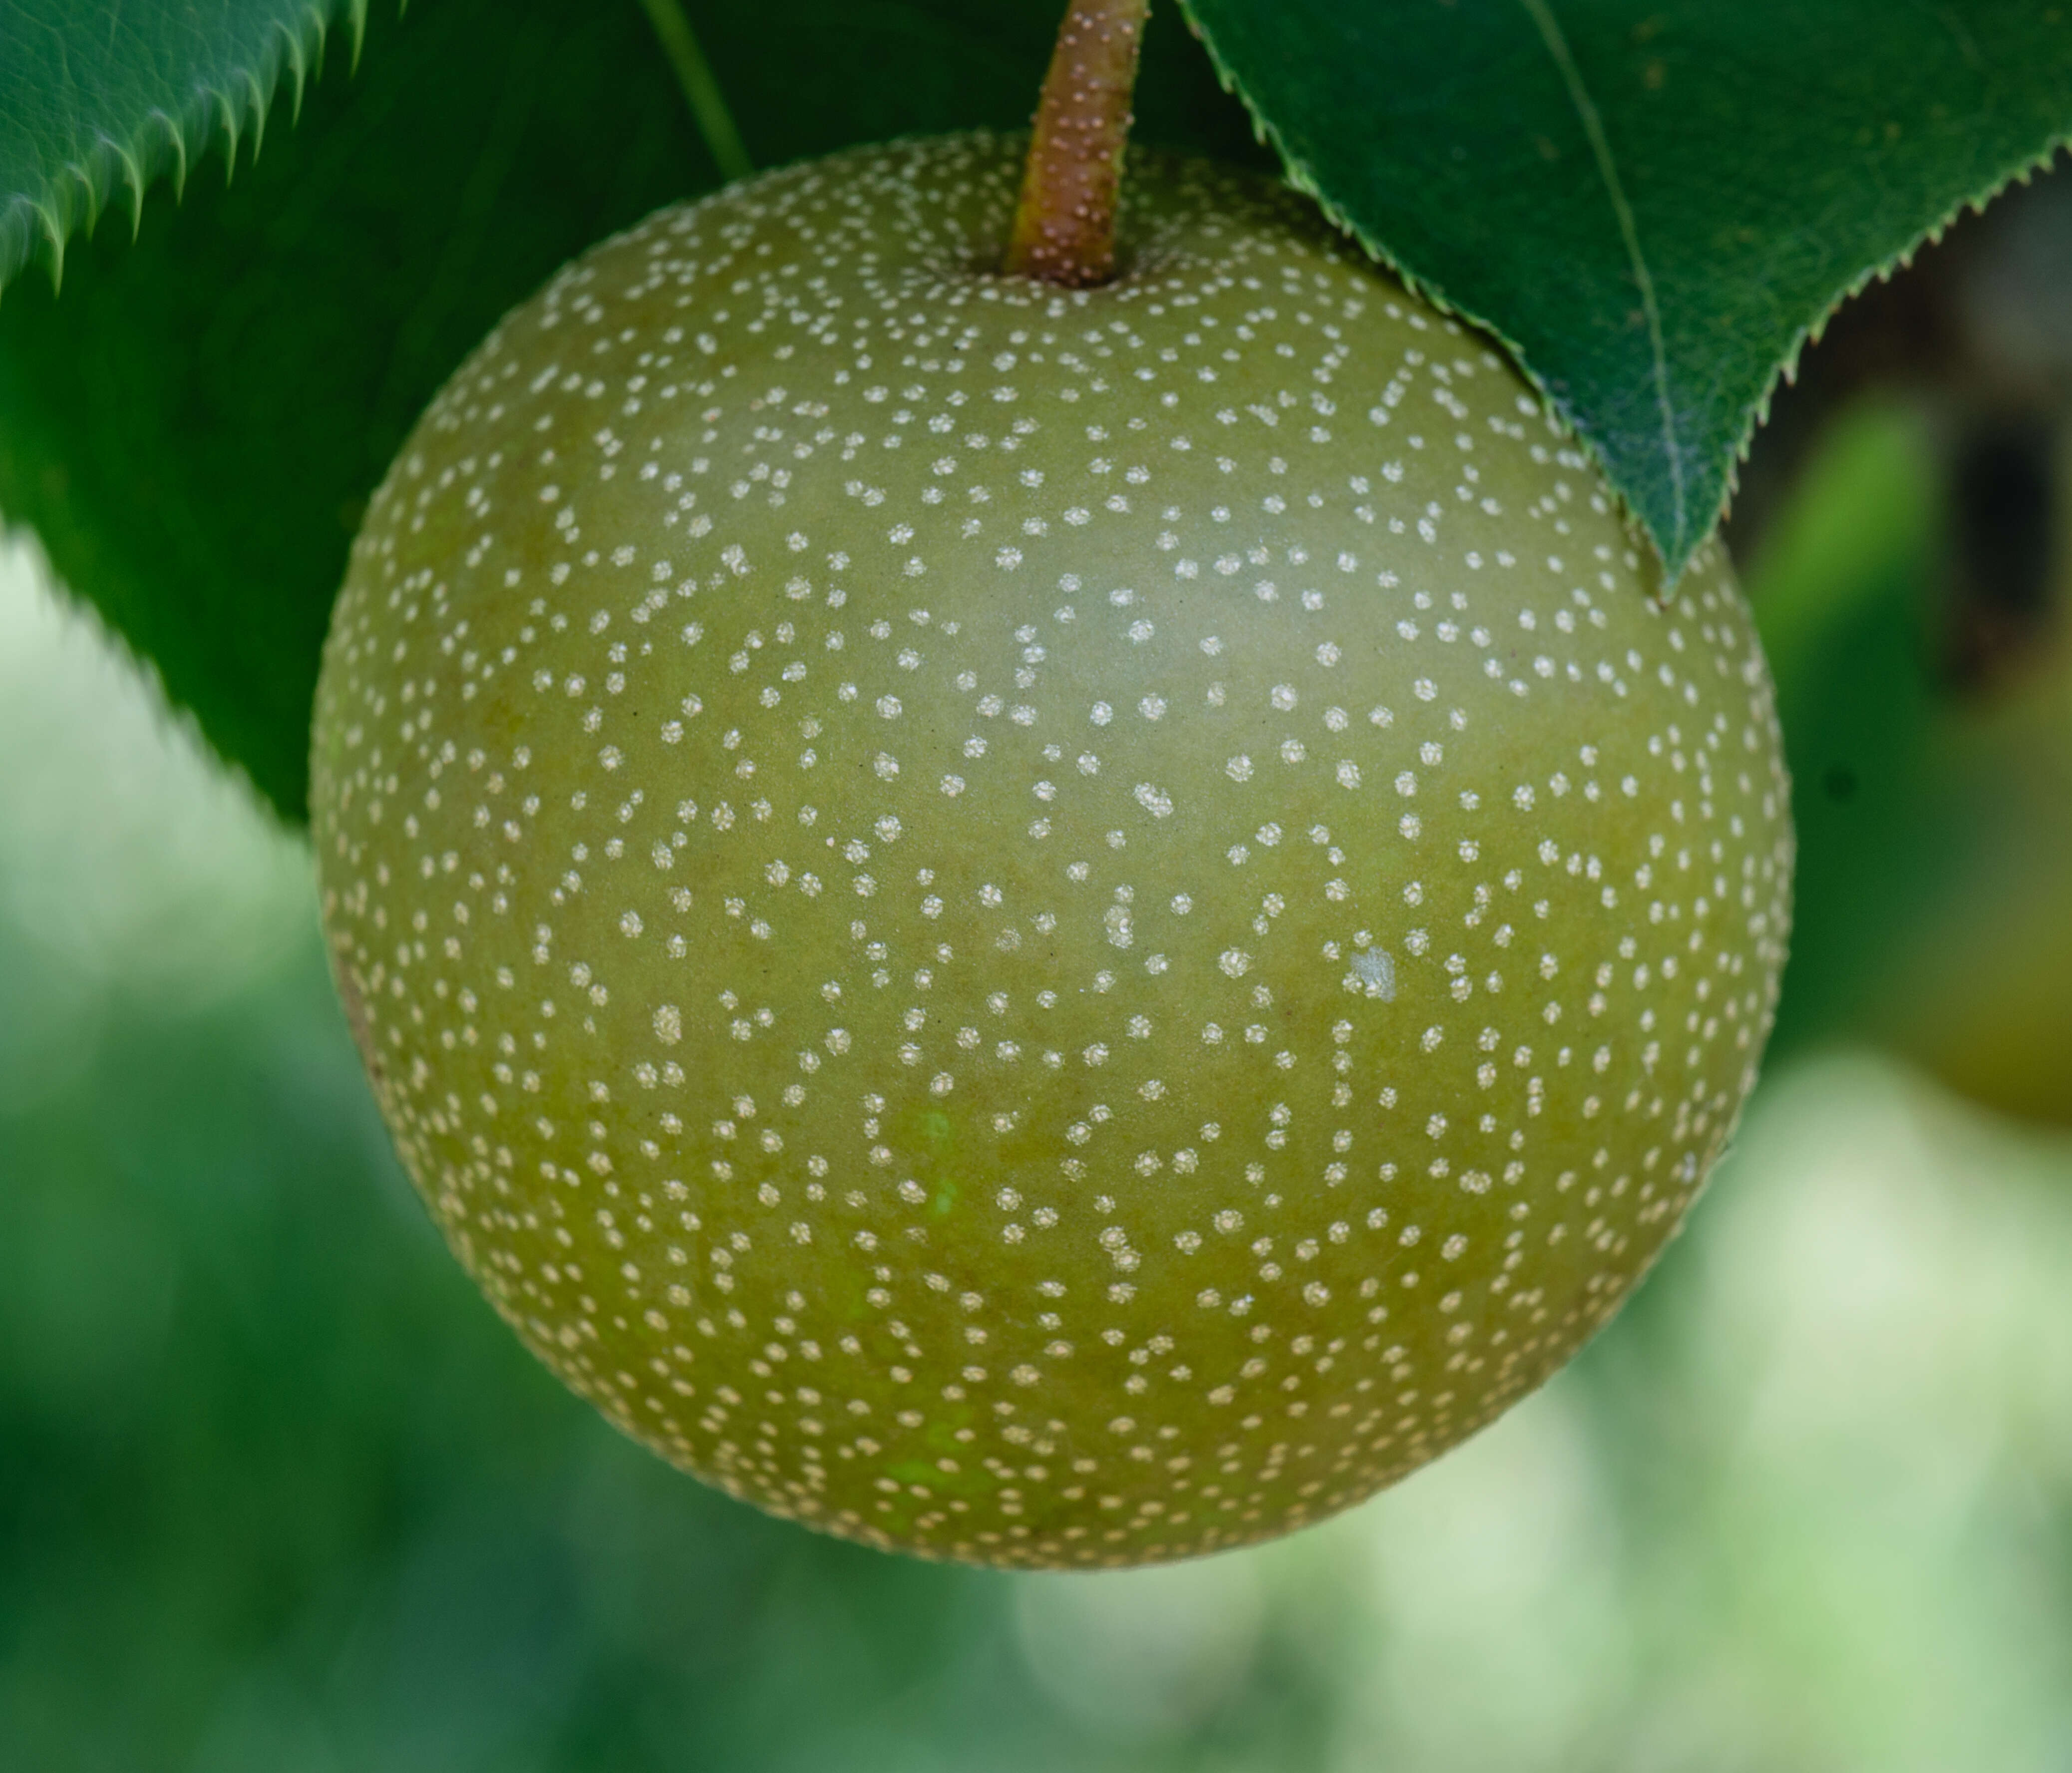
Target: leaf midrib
[[1542, 14]]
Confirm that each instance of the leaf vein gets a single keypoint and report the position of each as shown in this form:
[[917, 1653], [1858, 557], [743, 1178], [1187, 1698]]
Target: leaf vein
[[1593, 130]]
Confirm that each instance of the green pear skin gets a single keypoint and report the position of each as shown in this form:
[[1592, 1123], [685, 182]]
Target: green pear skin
[[1052, 928]]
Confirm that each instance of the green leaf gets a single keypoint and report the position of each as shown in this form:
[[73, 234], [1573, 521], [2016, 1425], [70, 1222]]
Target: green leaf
[[98, 98], [1652, 204], [193, 425]]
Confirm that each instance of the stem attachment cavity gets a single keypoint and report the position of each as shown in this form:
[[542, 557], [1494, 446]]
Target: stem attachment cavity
[[1064, 225]]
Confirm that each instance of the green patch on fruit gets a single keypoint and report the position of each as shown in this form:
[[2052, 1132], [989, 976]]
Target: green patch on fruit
[[963, 1480]]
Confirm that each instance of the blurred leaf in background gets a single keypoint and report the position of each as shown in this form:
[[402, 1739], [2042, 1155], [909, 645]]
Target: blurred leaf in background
[[1935, 899], [1909, 552], [1841, 596]]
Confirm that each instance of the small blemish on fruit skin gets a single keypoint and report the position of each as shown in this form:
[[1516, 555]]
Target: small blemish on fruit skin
[[957, 741], [1377, 972]]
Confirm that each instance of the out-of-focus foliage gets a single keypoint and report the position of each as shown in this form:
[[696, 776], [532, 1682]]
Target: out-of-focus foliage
[[1935, 889], [279, 1494], [1905, 529], [1983, 993], [1840, 597]]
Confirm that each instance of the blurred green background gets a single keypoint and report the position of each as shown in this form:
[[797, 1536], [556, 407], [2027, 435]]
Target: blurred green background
[[278, 1494]]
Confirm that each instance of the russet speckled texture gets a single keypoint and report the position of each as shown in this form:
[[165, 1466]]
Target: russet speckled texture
[[1046, 927]]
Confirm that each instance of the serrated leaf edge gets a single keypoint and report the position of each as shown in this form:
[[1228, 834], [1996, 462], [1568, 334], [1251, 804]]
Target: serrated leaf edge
[[38, 224], [1303, 178], [1787, 369]]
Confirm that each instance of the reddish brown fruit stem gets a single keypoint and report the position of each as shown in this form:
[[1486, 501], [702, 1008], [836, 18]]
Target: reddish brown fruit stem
[[1064, 225]]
